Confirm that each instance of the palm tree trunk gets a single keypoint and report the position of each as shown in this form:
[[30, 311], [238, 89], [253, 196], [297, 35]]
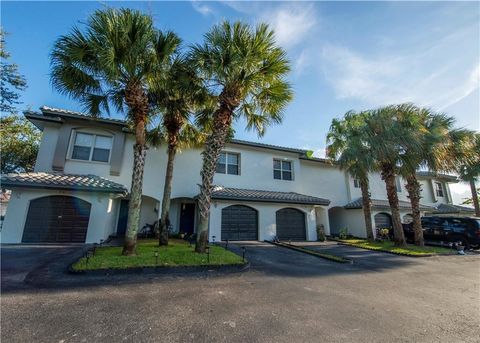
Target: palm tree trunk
[[475, 198], [167, 191], [367, 208], [130, 243], [222, 120], [413, 188], [389, 177], [137, 102]]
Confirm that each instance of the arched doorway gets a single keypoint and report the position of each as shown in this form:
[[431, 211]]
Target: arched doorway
[[291, 224], [57, 219], [239, 223], [383, 220]]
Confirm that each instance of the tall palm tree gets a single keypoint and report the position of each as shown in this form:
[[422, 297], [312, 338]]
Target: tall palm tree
[[345, 146], [432, 133], [111, 63], [469, 169], [246, 70], [387, 141], [177, 96]]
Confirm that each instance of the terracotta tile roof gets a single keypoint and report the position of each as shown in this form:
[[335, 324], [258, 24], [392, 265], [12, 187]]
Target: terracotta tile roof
[[267, 146], [449, 208], [90, 183], [221, 193], [59, 111], [383, 204]]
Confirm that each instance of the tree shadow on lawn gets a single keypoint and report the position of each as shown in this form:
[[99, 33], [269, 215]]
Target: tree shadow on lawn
[[265, 259]]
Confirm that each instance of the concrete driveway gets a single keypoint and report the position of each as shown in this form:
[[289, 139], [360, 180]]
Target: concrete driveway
[[286, 296]]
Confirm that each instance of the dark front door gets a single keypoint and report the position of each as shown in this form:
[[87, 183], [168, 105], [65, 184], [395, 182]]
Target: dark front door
[[187, 218], [239, 223], [57, 219], [291, 225], [122, 218]]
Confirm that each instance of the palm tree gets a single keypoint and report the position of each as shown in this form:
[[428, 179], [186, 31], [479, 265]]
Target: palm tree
[[246, 71], [469, 170], [345, 146], [176, 96], [112, 64], [432, 132], [387, 140]]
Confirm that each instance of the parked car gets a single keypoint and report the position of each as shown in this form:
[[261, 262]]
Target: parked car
[[448, 230]]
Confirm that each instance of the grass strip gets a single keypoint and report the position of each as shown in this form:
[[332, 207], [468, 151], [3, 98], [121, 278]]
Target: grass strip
[[389, 247], [178, 253], [330, 257]]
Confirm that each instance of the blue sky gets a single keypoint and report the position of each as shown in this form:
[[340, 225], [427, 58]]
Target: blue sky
[[345, 55]]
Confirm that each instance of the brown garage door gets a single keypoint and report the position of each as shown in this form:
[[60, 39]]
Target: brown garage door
[[291, 225], [57, 219], [239, 223]]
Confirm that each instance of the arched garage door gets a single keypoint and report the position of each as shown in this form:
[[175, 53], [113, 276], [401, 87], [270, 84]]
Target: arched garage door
[[383, 220], [291, 224], [57, 219], [239, 223]]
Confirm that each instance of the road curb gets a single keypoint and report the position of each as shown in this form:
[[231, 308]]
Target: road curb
[[173, 270]]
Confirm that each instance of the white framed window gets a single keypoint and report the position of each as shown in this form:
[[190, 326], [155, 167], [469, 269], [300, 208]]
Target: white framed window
[[438, 189], [91, 147], [282, 170], [356, 183], [228, 163], [398, 184]]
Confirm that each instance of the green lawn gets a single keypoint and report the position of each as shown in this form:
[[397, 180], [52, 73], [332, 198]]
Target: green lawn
[[412, 250], [178, 253]]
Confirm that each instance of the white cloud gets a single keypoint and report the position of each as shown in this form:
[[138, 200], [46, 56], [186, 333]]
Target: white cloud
[[384, 79], [302, 61], [202, 7], [291, 23], [471, 85]]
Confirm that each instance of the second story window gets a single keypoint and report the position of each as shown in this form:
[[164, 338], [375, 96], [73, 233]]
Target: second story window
[[438, 189], [282, 170], [91, 147], [398, 184], [356, 183], [228, 163]]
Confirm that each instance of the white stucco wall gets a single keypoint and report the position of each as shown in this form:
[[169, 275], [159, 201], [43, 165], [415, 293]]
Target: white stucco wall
[[378, 190], [103, 213], [321, 214], [352, 220], [256, 172], [149, 211], [46, 149], [323, 181]]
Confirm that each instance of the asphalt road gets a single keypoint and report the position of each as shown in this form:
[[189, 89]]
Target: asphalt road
[[286, 296]]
